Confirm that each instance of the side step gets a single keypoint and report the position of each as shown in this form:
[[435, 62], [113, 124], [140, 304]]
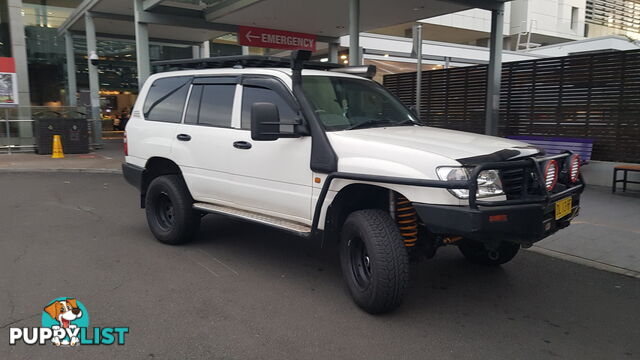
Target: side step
[[287, 225]]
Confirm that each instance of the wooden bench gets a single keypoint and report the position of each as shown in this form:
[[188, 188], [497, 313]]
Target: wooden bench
[[557, 145], [625, 169]]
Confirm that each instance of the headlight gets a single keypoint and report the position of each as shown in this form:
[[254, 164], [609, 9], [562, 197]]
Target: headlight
[[455, 173], [489, 183]]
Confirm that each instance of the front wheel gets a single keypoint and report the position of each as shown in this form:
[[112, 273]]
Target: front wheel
[[477, 253], [169, 209], [374, 261]]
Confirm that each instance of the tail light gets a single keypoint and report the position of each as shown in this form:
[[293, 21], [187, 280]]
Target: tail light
[[124, 143], [574, 168], [550, 174]]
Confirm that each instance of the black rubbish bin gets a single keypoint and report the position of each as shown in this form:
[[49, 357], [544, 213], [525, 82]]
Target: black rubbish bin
[[73, 131]]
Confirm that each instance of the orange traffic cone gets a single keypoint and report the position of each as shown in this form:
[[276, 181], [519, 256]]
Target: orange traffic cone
[[57, 148]]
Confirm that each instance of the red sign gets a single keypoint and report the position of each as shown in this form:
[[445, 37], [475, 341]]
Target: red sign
[[275, 39], [7, 65]]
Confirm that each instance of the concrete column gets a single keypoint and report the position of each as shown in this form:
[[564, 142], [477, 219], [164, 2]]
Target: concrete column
[[494, 71], [142, 44], [206, 49], [354, 33], [195, 51], [333, 52], [245, 50], [417, 39], [94, 83], [19, 54], [71, 69]]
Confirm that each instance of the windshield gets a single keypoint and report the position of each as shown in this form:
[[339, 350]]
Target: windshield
[[345, 103]]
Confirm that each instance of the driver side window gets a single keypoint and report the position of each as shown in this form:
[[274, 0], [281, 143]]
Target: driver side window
[[251, 95]]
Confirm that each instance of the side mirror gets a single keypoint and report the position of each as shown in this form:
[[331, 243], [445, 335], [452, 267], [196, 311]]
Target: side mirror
[[265, 121], [414, 110]]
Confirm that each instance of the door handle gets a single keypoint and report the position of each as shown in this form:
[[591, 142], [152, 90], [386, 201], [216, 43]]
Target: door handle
[[184, 137], [245, 145]]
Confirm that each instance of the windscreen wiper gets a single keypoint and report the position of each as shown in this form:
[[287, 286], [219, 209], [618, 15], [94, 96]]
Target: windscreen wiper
[[386, 122], [406, 122], [365, 123]]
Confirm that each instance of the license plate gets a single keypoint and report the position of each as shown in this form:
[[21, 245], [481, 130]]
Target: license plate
[[563, 208]]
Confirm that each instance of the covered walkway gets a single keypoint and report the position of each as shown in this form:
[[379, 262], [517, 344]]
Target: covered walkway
[[195, 22]]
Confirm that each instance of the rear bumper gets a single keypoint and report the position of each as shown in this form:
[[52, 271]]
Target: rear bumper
[[133, 174], [525, 224]]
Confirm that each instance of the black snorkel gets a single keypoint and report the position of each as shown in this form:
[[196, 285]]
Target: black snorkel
[[323, 158]]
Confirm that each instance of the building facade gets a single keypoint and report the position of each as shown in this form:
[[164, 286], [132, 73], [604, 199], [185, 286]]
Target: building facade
[[620, 17], [37, 22], [534, 23], [532, 28], [528, 24]]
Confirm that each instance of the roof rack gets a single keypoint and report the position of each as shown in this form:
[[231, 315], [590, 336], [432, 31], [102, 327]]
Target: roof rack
[[256, 61], [238, 60]]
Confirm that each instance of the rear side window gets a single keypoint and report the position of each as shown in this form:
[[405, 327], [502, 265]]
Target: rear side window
[[210, 105], [165, 99], [216, 105]]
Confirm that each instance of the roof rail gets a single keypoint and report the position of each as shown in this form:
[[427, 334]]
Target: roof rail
[[257, 61]]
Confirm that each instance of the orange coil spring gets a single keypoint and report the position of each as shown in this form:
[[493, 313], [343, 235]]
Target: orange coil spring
[[407, 220]]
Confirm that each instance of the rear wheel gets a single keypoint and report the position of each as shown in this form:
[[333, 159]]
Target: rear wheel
[[374, 261], [477, 252], [169, 209]]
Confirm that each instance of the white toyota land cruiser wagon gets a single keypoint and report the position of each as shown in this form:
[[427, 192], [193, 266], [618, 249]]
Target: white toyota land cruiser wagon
[[322, 152]]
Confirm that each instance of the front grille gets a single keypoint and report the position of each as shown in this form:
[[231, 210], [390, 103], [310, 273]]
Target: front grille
[[512, 182]]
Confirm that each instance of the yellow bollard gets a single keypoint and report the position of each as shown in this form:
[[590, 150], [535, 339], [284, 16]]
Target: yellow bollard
[[57, 148]]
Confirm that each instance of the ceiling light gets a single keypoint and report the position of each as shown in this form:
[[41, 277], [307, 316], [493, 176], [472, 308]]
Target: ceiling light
[[343, 57], [324, 59]]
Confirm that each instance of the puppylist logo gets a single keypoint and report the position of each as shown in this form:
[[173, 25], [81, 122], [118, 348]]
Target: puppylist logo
[[65, 323]]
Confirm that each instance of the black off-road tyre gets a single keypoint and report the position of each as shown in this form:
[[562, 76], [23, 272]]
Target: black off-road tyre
[[169, 209], [477, 253], [374, 260]]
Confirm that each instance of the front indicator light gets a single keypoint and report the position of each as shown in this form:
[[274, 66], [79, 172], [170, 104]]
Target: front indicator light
[[498, 218]]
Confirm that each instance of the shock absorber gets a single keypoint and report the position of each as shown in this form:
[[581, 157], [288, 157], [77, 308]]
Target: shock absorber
[[407, 220]]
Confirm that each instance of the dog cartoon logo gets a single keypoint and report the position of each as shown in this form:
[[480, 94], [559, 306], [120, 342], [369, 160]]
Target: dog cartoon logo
[[65, 323], [66, 314]]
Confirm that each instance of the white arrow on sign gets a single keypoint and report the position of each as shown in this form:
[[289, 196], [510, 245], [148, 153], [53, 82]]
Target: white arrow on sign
[[249, 36]]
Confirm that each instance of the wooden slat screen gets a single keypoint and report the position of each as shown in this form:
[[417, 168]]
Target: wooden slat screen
[[593, 96]]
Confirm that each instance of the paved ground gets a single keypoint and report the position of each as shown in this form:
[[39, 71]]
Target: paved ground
[[607, 232], [606, 235], [242, 291], [107, 159]]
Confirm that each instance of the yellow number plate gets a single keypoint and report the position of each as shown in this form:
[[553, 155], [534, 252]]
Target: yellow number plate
[[563, 208]]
